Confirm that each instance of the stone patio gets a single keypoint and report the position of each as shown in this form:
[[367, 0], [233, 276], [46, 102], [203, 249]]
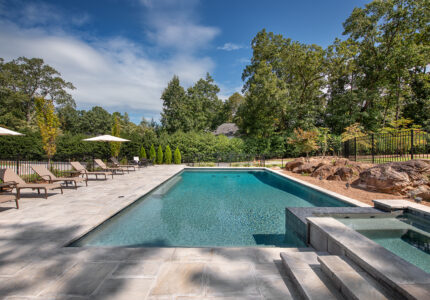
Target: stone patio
[[34, 264]]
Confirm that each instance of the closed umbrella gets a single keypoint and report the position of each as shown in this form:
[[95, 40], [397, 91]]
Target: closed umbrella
[[4, 131]]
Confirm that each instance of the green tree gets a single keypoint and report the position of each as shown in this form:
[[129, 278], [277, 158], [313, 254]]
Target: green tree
[[177, 156], [22, 80], [304, 141], [205, 105], [116, 130], [152, 154], [159, 155], [48, 123], [168, 155], [142, 153], [176, 113]]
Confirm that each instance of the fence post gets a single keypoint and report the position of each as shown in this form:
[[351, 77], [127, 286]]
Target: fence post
[[17, 165], [373, 148], [412, 144], [355, 149]]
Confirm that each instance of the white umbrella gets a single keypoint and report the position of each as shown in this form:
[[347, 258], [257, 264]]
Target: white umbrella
[[4, 131], [106, 138]]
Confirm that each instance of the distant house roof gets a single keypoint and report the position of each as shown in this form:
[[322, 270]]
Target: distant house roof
[[228, 129]]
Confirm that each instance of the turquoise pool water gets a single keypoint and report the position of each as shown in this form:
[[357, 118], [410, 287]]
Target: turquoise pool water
[[200, 208], [407, 236]]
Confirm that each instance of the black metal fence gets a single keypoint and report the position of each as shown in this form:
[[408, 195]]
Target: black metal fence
[[399, 145]]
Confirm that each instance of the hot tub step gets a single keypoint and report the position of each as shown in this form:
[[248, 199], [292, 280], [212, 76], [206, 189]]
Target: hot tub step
[[352, 282], [304, 269]]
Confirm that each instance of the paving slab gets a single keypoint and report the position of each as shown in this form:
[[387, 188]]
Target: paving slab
[[179, 279], [230, 279], [120, 289]]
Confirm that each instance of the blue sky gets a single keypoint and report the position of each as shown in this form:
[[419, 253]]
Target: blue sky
[[120, 54]]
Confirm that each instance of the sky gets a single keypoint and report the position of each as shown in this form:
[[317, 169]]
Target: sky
[[121, 54]]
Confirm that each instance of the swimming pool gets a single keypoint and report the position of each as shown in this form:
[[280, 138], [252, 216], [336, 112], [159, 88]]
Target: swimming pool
[[210, 208], [407, 236]]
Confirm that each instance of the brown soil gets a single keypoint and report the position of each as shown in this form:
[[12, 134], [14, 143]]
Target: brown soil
[[354, 193]]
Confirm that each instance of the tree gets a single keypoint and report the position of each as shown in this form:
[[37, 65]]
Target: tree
[[205, 104], [48, 124], [168, 155], [22, 80], [304, 141], [142, 153], [116, 130], [176, 113], [159, 155], [152, 154], [230, 108], [177, 156]]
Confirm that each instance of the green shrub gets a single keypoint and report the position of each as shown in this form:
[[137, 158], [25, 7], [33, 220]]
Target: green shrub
[[160, 155], [123, 161], [152, 153], [142, 153], [168, 155], [177, 156]]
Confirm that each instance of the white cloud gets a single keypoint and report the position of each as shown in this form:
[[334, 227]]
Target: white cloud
[[113, 72], [230, 47]]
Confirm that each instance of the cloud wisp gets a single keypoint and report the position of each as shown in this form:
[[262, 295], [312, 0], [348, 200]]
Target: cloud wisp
[[230, 47]]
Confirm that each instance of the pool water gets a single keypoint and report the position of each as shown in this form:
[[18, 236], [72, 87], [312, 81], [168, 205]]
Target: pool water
[[199, 208], [407, 236]]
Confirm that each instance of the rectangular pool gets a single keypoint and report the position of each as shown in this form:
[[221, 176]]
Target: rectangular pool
[[210, 208]]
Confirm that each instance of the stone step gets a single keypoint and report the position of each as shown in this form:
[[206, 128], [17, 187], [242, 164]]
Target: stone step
[[305, 271], [353, 282]]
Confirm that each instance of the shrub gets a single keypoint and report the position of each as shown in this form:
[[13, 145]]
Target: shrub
[[168, 155], [152, 153], [159, 155], [177, 156], [142, 153], [123, 161]]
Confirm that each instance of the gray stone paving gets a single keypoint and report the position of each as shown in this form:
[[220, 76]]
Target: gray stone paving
[[34, 264]]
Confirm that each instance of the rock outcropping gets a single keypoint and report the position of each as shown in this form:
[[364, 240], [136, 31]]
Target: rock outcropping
[[398, 178], [340, 169]]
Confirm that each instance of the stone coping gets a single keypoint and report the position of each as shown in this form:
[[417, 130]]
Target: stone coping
[[399, 204], [385, 266], [307, 184]]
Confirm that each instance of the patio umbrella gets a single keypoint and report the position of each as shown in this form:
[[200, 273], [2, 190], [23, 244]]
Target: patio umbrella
[[4, 131], [106, 138]]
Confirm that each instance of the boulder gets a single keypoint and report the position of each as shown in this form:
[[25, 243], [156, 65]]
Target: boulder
[[324, 171], [395, 177], [291, 165], [422, 191], [345, 173]]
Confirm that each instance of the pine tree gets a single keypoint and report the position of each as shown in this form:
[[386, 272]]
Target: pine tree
[[152, 153], [160, 155], [177, 156], [142, 153], [168, 155]]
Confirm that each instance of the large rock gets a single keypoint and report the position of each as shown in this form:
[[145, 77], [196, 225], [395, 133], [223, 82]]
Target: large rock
[[395, 177], [291, 165], [324, 171], [423, 191], [345, 173]]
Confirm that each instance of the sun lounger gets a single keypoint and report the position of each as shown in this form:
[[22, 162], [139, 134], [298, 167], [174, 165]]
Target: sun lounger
[[80, 168], [118, 165], [103, 166], [8, 197], [45, 174], [8, 175]]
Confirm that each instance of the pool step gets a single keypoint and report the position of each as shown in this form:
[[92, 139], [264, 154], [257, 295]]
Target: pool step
[[353, 282], [305, 271]]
